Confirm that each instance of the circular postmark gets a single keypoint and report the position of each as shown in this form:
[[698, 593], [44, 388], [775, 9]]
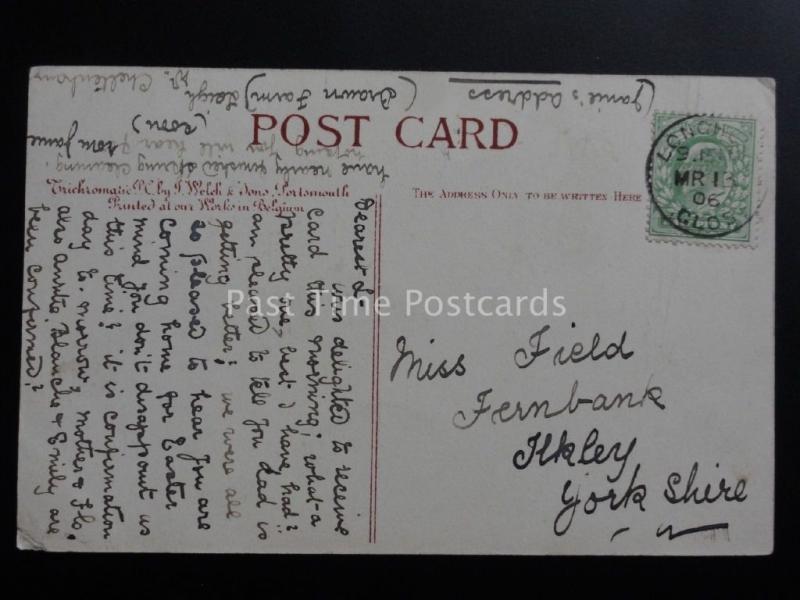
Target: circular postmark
[[700, 172]]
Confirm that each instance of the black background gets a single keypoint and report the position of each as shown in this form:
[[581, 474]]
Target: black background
[[670, 37]]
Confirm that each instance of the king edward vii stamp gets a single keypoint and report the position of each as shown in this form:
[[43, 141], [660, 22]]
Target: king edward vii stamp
[[700, 175]]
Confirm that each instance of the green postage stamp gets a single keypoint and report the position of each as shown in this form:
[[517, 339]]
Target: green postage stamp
[[700, 175]]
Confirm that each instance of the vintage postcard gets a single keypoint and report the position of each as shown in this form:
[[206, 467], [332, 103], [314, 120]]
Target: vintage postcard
[[287, 311]]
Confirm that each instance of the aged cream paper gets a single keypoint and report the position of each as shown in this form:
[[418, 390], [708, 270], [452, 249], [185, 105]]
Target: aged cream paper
[[377, 312]]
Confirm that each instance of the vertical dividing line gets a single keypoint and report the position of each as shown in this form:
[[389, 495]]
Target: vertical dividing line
[[377, 373], [371, 537]]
